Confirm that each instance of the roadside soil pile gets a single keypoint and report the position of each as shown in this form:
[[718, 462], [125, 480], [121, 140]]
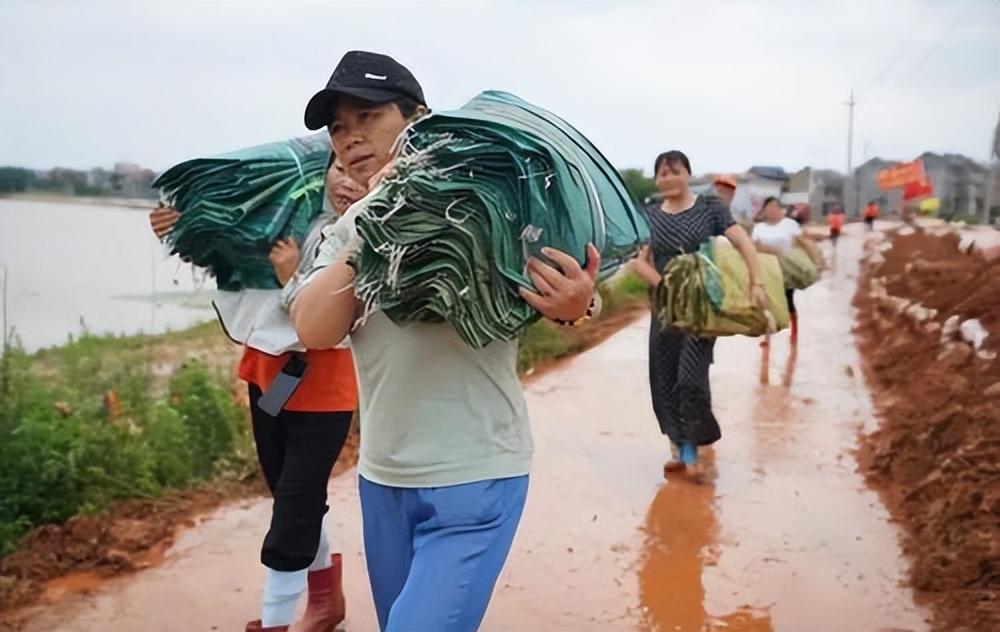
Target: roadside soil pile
[[132, 535], [929, 331]]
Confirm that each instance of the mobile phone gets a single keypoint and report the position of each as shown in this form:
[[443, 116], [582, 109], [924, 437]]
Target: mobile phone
[[283, 385]]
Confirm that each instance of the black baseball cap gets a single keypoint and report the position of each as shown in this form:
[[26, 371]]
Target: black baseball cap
[[370, 76]]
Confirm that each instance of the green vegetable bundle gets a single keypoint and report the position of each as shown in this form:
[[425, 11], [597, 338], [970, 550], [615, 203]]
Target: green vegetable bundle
[[798, 268]]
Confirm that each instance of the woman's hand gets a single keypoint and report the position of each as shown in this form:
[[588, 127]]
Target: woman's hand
[[758, 296], [645, 255], [564, 293], [643, 266], [162, 220], [284, 258]]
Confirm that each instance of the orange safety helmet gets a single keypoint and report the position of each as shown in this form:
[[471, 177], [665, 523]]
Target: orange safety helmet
[[725, 179]]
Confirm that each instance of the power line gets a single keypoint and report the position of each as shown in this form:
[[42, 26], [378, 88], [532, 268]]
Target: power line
[[933, 48], [897, 54]]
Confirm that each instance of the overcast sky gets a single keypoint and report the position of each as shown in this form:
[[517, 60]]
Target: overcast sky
[[732, 84]]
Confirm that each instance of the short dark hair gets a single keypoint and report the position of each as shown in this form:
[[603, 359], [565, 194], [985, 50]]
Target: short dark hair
[[672, 158], [768, 200], [407, 106]]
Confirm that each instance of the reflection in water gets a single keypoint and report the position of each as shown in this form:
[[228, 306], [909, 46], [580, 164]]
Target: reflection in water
[[774, 414], [765, 361], [680, 535], [788, 374]]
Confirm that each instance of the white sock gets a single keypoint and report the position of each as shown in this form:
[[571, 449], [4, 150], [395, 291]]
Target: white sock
[[322, 559], [282, 590]]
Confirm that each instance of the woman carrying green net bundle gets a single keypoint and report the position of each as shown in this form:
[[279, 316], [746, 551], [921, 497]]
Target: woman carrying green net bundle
[[779, 235], [299, 440], [679, 361], [446, 445]]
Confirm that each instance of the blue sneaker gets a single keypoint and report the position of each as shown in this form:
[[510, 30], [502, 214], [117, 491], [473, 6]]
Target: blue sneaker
[[688, 453]]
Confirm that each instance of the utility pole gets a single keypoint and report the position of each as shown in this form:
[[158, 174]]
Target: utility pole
[[850, 131], [850, 149]]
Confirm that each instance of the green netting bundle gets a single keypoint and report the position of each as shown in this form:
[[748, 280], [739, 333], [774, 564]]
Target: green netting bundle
[[236, 205], [475, 193], [813, 250], [799, 269], [707, 293]]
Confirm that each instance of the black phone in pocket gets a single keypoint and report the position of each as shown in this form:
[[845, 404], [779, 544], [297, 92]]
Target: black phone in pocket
[[284, 385]]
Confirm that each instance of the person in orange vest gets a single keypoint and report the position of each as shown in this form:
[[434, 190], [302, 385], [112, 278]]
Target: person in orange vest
[[725, 188], [871, 214], [298, 447], [835, 221]]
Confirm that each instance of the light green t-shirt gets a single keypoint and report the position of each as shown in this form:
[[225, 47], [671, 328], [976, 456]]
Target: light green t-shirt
[[435, 411]]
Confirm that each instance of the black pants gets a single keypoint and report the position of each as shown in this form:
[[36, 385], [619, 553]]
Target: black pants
[[790, 299], [678, 381], [297, 451]]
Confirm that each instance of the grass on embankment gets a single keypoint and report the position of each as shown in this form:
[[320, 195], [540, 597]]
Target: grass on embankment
[[109, 418]]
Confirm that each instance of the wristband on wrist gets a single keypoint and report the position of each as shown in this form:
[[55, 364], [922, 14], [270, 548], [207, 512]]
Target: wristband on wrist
[[586, 316]]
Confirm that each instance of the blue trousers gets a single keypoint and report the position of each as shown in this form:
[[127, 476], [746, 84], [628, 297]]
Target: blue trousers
[[435, 553]]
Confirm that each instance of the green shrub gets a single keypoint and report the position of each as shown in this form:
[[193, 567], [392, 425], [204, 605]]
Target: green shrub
[[166, 437], [541, 341], [65, 451], [208, 413]]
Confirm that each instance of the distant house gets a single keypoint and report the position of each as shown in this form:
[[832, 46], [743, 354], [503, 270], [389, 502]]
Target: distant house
[[862, 188], [755, 186], [993, 196], [132, 181], [99, 180], [821, 189], [960, 183]]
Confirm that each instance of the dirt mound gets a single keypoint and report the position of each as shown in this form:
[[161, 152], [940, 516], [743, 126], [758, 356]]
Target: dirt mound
[[936, 456], [933, 270], [131, 536]]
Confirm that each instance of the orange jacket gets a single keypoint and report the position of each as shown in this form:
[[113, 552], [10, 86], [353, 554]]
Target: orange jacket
[[329, 384]]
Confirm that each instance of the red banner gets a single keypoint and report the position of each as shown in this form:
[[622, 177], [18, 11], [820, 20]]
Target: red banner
[[901, 175], [914, 190]]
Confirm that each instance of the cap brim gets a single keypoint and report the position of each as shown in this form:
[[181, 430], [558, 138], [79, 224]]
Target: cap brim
[[323, 104]]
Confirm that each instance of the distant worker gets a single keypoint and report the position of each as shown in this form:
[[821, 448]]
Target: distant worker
[[725, 188], [871, 214], [835, 220], [800, 213]]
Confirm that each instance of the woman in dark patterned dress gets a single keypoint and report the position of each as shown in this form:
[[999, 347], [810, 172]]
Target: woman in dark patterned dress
[[679, 361]]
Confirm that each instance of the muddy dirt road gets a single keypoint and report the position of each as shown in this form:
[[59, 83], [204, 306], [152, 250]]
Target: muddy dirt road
[[785, 536]]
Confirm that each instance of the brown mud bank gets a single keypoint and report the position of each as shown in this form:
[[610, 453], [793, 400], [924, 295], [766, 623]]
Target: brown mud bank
[[936, 382]]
